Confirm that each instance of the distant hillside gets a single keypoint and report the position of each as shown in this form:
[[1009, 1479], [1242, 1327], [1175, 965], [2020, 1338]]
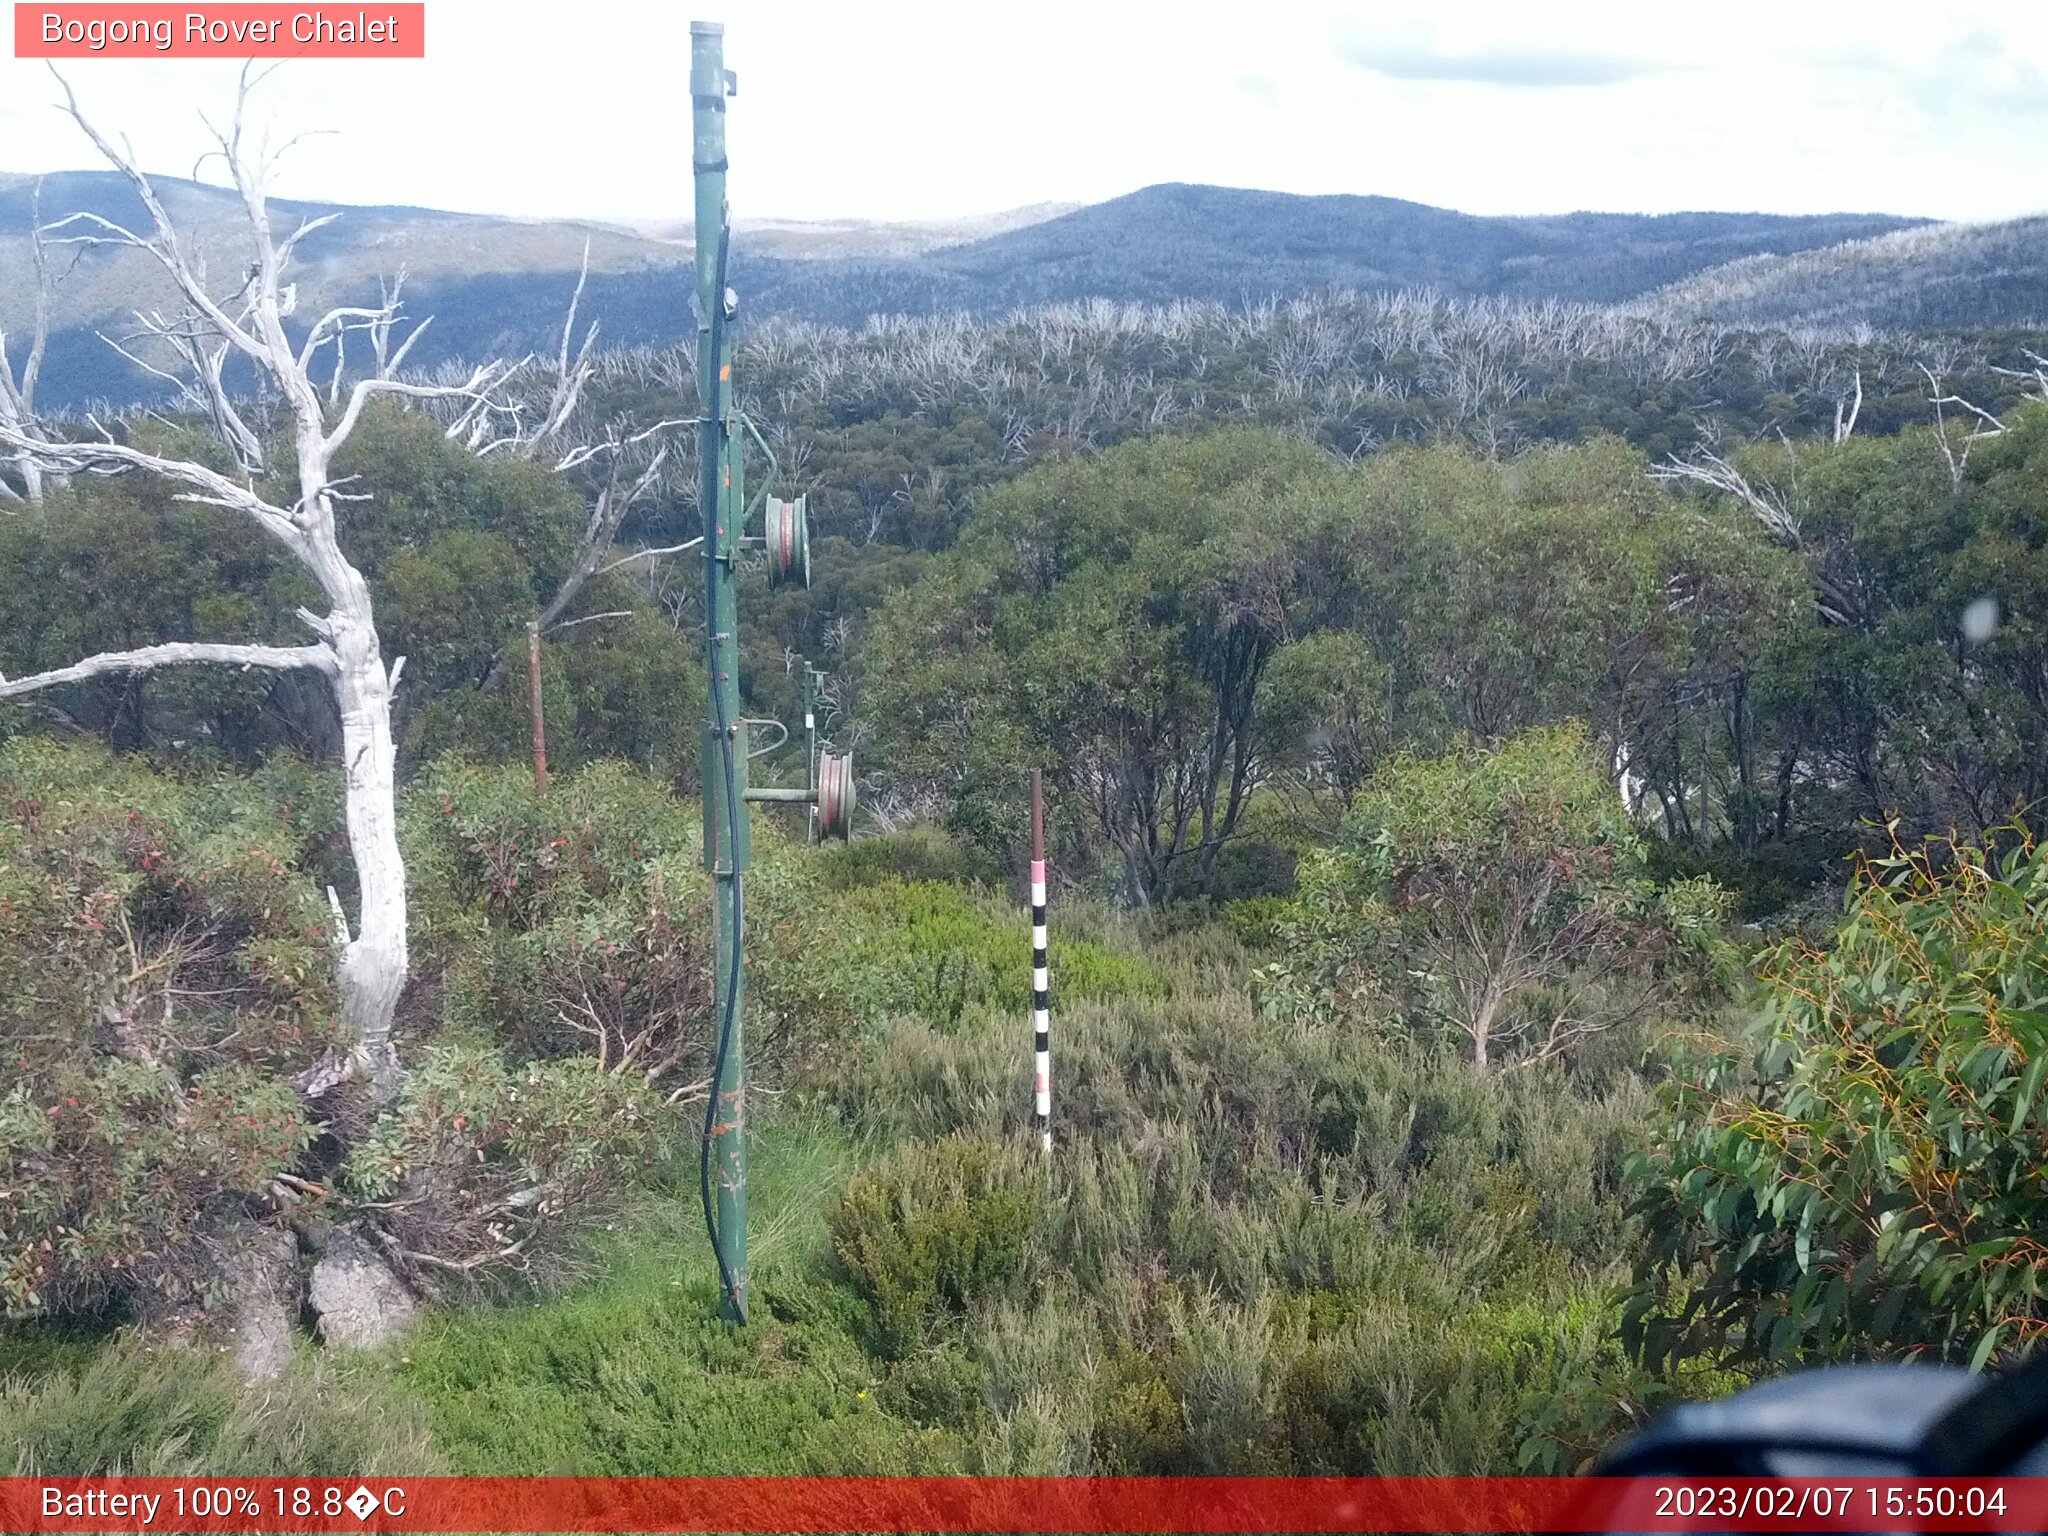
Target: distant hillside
[[1182, 241], [1229, 245], [498, 285], [438, 250], [825, 239], [1936, 276], [364, 243]]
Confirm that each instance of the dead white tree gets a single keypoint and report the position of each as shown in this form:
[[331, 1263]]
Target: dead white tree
[[549, 424], [1978, 423], [247, 325], [570, 377], [621, 491], [1848, 406], [1704, 466], [2035, 375], [18, 389], [1773, 509], [615, 498], [623, 488]]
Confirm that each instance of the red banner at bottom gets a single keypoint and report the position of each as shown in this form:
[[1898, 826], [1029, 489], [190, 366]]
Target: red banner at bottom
[[1003, 1504]]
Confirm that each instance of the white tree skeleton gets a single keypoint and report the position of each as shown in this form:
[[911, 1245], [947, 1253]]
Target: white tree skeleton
[[249, 324], [18, 390]]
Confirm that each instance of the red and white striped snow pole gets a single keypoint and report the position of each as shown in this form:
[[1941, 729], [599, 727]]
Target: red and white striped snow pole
[[1041, 980]]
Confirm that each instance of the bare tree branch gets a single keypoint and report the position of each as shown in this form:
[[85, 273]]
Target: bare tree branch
[[1846, 411], [164, 245], [208, 485], [152, 658], [569, 377], [1705, 467], [589, 618], [2037, 375], [478, 387], [1987, 425], [607, 513], [651, 554]]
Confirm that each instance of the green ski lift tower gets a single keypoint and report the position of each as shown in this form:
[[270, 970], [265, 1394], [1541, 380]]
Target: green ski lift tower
[[785, 540]]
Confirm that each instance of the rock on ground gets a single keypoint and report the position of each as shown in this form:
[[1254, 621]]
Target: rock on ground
[[260, 1268], [359, 1302]]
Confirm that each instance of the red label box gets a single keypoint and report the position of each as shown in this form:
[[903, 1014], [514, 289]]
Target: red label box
[[379, 30]]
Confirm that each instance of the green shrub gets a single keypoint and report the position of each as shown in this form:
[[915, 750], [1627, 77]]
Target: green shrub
[[915, 855], [482, 1168], [1497, 897], [939, 953], [940, 1386], [909, 1080], [1037, 1361], [623, 980], [169, 969], [1587, 1391], [1247, 869], [484, 848], [577, 924], [1259, 922], [1763, 885], [1860, 1170], [1139, 1429], [932, 1228]]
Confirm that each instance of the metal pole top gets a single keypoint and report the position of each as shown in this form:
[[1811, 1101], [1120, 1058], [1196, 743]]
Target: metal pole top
[[707, 29]]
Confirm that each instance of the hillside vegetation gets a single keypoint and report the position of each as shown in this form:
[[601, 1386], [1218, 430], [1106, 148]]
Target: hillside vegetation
[[1265, 1245], [1544, 912], [1932, 277], [1229, 244], [1342, 1181], [499, 286]]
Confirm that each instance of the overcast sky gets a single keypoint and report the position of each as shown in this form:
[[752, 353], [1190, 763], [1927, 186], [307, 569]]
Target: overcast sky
[[890, 109]]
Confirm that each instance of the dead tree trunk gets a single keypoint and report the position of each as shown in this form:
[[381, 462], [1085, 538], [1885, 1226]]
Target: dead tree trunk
[[550, 423], [18, 390]]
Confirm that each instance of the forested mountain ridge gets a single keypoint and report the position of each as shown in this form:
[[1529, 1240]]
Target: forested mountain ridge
[[361, 244], [1227, 243], [495, 284], [498, 286], [1934, 275]]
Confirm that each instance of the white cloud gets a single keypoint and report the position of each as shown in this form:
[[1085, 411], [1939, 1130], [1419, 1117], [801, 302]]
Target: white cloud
[[895, 109]]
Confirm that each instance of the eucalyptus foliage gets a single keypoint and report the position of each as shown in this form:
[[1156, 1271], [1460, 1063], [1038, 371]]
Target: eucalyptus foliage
[[1860, 1172]]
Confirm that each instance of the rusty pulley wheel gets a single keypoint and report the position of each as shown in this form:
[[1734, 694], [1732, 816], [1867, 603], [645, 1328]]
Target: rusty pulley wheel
[[788, 540], [835, 795]]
